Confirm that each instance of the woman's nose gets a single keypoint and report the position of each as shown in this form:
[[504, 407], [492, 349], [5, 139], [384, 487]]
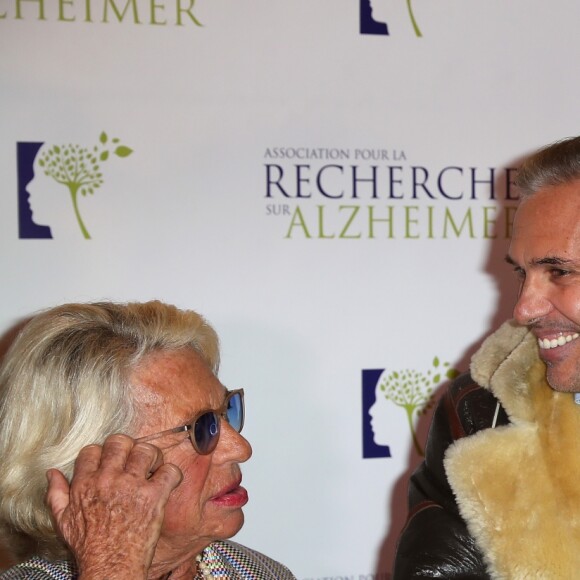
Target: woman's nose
[[232, 445]]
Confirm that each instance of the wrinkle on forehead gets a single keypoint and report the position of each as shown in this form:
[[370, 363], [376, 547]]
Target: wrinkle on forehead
[[150, 403], [171, 386]]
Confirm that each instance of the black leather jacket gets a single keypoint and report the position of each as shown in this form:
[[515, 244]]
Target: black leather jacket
[[435, 542]]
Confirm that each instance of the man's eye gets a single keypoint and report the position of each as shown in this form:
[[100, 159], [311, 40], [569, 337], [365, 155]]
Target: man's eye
[[519, 272], [559, 273]]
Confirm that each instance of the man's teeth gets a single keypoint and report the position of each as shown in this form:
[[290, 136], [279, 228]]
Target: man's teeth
[[554, 342]]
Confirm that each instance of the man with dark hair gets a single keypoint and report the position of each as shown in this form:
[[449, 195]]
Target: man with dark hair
[[498, 495]]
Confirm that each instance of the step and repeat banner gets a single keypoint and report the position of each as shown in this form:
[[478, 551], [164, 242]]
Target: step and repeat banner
[[329, 182]]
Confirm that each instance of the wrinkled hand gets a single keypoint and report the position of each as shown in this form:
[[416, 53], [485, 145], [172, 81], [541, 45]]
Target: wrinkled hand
[[111, 513]]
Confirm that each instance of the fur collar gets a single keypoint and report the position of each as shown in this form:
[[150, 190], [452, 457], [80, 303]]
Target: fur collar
[[518, 486]]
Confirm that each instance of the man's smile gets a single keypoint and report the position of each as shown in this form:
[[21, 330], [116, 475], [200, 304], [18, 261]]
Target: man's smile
[[548, 343]]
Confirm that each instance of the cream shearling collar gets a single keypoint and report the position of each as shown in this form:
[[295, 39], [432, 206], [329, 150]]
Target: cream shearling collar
[[518, 486]]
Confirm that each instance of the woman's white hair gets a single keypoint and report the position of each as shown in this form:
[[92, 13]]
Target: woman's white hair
[[64, 384]]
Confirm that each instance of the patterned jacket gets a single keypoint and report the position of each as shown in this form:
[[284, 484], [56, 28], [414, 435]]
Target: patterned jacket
[[225, 560]]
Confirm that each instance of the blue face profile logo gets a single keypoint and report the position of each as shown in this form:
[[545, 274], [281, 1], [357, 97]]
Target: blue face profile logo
[[27, 228], [371, 448], [374, 14], [368, 25]]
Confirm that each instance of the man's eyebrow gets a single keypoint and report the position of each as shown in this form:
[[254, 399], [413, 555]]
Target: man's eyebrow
[[553, 261], [547, 261]]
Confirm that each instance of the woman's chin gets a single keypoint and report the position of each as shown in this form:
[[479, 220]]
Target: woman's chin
[[233, 524]]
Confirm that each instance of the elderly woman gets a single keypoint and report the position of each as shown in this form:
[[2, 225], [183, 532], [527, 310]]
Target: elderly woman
[[121, 449]]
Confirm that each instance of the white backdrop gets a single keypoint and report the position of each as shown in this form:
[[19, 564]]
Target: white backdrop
[[332, 201]]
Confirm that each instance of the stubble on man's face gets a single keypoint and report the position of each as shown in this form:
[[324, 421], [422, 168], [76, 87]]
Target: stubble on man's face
[[545, 252]]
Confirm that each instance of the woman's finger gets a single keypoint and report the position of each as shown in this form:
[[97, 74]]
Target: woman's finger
[[143, 460], [88, 461], [115, 451], [167, 477], [57, 494]]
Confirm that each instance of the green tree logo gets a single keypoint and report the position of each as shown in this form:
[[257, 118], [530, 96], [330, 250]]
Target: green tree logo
[[413, 391], [413, 21], [79, 169]]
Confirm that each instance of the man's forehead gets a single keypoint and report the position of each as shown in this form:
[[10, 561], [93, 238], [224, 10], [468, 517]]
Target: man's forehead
[[547, 226], [557, 204]]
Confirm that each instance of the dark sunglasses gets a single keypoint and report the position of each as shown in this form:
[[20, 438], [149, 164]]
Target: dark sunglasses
[[204, 429]]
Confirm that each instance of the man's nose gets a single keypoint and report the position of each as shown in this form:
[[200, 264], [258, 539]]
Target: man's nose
[[533, 302]]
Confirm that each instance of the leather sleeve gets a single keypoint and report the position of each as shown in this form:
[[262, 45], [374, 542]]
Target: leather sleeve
[[435, 542]]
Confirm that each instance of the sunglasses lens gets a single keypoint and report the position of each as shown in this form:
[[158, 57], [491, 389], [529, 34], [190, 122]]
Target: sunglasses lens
[[235, 412], [206, 432]]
